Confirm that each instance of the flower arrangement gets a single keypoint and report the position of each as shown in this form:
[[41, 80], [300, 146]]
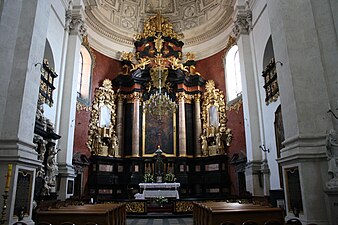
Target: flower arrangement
[[148, 178], [161, 200], [170, 177]]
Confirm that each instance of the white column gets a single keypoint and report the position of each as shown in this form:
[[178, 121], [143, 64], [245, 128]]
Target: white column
[[182, 143], [136, 126], [307, 80], [250, 102], [23, 32], [69, 98], [198, 125]]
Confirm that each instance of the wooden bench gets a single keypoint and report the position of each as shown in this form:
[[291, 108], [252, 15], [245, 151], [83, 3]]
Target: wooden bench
[[100, 214], [216, 213]]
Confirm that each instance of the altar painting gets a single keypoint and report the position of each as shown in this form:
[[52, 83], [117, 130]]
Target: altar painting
[[159, 132]]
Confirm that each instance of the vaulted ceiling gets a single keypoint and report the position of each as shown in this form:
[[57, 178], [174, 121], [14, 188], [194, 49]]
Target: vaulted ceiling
[[205, 24]]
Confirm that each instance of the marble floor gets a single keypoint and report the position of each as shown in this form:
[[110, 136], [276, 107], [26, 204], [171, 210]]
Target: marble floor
[[160, 221]]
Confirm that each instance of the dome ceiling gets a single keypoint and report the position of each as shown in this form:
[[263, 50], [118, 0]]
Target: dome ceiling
[[205, 24]]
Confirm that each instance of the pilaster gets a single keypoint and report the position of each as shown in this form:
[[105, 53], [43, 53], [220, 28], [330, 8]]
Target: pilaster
[[23, 32], [297, 44], [241, 29], [76, 30]]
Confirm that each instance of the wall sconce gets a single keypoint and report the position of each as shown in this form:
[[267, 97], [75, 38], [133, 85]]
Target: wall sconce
[[264, 149], [330, 111], [281, 64]]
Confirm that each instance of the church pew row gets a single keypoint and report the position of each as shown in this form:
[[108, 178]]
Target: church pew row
[[217, 213], [100, 214]]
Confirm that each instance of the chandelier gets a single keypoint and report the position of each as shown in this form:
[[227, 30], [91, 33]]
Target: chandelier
[[159, 103]]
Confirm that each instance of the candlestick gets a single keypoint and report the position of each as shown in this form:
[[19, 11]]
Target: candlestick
[[8, 177]]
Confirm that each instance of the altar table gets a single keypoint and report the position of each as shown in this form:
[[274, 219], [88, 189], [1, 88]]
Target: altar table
[[155, 190]]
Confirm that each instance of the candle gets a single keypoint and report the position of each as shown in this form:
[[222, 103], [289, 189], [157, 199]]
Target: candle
[[8, 177]]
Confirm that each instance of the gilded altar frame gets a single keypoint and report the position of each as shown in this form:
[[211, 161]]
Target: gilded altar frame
[[101, 136]]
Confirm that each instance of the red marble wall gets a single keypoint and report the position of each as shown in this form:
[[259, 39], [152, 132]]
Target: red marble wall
[[210, 68], [105, 67]]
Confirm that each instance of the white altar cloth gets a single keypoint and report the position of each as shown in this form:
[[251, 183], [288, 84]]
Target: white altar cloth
[[155, 190], [159, 185]]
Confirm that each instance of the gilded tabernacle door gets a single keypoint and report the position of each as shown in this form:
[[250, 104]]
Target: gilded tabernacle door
[[157, 132]]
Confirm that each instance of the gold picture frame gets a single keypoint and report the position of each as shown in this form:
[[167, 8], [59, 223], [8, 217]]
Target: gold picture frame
[[146, 151]]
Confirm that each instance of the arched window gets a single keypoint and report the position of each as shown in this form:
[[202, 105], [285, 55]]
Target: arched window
[[233, 74], [79, 77], [84, 76]]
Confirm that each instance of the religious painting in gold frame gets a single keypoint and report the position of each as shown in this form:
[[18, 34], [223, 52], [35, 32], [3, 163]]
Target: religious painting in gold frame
[[158, 132]]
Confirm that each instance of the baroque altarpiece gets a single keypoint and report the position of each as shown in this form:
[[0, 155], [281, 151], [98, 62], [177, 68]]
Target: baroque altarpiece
[[158, 101]]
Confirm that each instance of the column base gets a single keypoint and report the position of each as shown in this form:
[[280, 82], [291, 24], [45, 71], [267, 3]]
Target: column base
[[66, 181]]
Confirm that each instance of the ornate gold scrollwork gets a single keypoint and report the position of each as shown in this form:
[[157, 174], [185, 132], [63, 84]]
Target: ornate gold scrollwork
[[183, 206], [157, 24], [136, 207], [215, 133], [102, 139]]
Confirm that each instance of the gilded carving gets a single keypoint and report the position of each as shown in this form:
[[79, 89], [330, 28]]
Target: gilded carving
[[136, 207], [81, 107], [215, 134], [156, 24], [235, 106], [176, 64], [183, 206], [180, 96], [102, 139]]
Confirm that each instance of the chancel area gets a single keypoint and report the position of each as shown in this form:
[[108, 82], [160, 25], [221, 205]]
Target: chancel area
[[213, 112]]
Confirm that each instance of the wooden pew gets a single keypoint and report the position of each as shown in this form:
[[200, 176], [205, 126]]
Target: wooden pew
[[101, 214], [215, 213]]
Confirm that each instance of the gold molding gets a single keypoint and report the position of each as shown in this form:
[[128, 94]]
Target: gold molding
[[213, 99], [82, 107], [102, 139], [235, 106], [158, 24]]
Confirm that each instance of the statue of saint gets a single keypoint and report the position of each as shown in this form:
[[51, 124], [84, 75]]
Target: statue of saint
[[204, 144], [114, 145], [332, 154], [52, 167], [219, 141]]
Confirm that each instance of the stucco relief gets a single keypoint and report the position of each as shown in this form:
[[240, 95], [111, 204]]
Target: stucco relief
[[120, 19]]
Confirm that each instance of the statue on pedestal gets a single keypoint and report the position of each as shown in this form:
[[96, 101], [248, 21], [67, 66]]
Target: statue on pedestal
[[332, 155], [159, 165]]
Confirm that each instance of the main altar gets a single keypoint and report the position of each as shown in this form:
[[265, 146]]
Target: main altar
[[158, 101]]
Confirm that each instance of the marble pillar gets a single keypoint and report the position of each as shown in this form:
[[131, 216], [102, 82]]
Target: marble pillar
[[198, 124], [136, 126], [119, 124], [182, 143], [23, 32]]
